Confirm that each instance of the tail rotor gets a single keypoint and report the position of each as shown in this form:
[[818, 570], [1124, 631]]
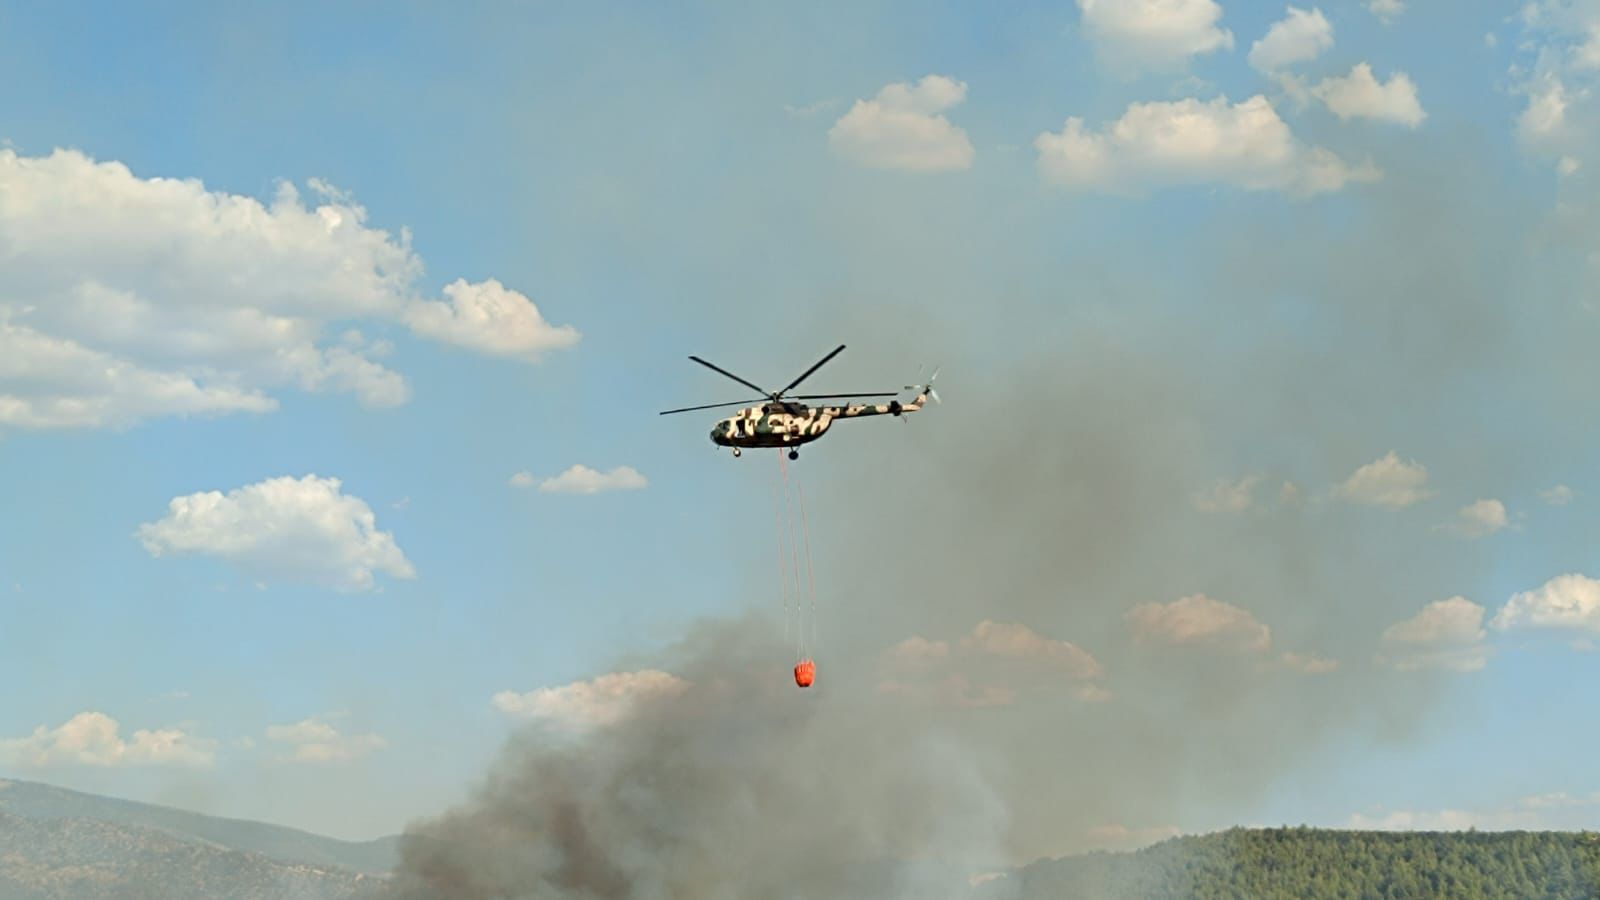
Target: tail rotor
[[926, 386]]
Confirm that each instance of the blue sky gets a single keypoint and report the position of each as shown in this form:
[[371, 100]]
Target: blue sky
[[665, 183]]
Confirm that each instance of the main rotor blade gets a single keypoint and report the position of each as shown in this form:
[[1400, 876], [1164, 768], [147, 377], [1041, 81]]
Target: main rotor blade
[[795, 383], [840, 396], [712, 406], [762, 391]]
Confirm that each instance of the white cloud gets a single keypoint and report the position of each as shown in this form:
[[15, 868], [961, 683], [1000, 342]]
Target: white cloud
[[1308, 663], [53, 382], [523, 480], [1557, 811], [1198, 619], [1569, 601], [283, 528], [1388, 481], [1360, 95], [1020, 642], [588, 704], [902, 128], [1560, 495], [313, 740], [1386, 10], [917, 650], [1121, 837], [581, 479], [1225, 496], [95, 739], [1154, 34], [489, 318], [1568, 165], [126, 298], [1479, 519], [1446, 634], [1300, 36], [1192, 142], [1545, 118], [990, 666], [1444, 820]]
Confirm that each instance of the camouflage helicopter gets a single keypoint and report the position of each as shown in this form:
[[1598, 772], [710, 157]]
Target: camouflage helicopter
[[781, 420]]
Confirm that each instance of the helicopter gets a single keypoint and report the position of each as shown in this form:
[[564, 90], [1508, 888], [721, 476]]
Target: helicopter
[[782, 420]]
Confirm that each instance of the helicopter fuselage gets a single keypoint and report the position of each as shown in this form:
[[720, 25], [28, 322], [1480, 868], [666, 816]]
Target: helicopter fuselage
[[784, 424]]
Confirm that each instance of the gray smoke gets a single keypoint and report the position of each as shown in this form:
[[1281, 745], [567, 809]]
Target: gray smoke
[[1053, 491], [739, 787]]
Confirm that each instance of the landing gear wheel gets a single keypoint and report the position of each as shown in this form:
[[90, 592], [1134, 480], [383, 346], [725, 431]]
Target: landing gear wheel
[[737, 453], [794, 454]]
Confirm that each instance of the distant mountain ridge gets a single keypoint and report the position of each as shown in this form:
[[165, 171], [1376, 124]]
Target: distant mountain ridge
[[32, 800], [58, 843]]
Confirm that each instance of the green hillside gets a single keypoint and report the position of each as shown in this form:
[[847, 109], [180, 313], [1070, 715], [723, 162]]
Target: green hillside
[[1314, 863]]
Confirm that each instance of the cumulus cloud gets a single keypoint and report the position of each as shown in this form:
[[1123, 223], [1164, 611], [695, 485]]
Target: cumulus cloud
[[1023, 643], [1446, 634], [285, 528], [1560, 495], [1543, 121], [1360, 95], [95, 739], [902, 128], [1556, 811], [1387, 481], [598, 702], [1118, 837], [490, 318], [1199, 620], [1554, 67], [1154, 34], [1308, 663], [1298, 37], [1570, 602], [581, 479], [126, 298], [314, 740], [1386, 10], [1227, 496], [993, 665], [1478, 519], [1192, 142]]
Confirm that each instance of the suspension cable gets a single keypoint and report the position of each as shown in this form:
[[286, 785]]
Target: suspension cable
[[811, 576], [783, 568], [794, 545]]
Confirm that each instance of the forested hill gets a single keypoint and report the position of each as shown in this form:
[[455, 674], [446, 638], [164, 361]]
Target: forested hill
[[1313, 863]]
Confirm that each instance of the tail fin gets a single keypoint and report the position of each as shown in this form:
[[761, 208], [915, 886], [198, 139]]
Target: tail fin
[[924, 391]]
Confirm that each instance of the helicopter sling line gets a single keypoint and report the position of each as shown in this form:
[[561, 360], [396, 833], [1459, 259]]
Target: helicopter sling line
[[805, 644], [783, 569], [786, 421], [811, 577]]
